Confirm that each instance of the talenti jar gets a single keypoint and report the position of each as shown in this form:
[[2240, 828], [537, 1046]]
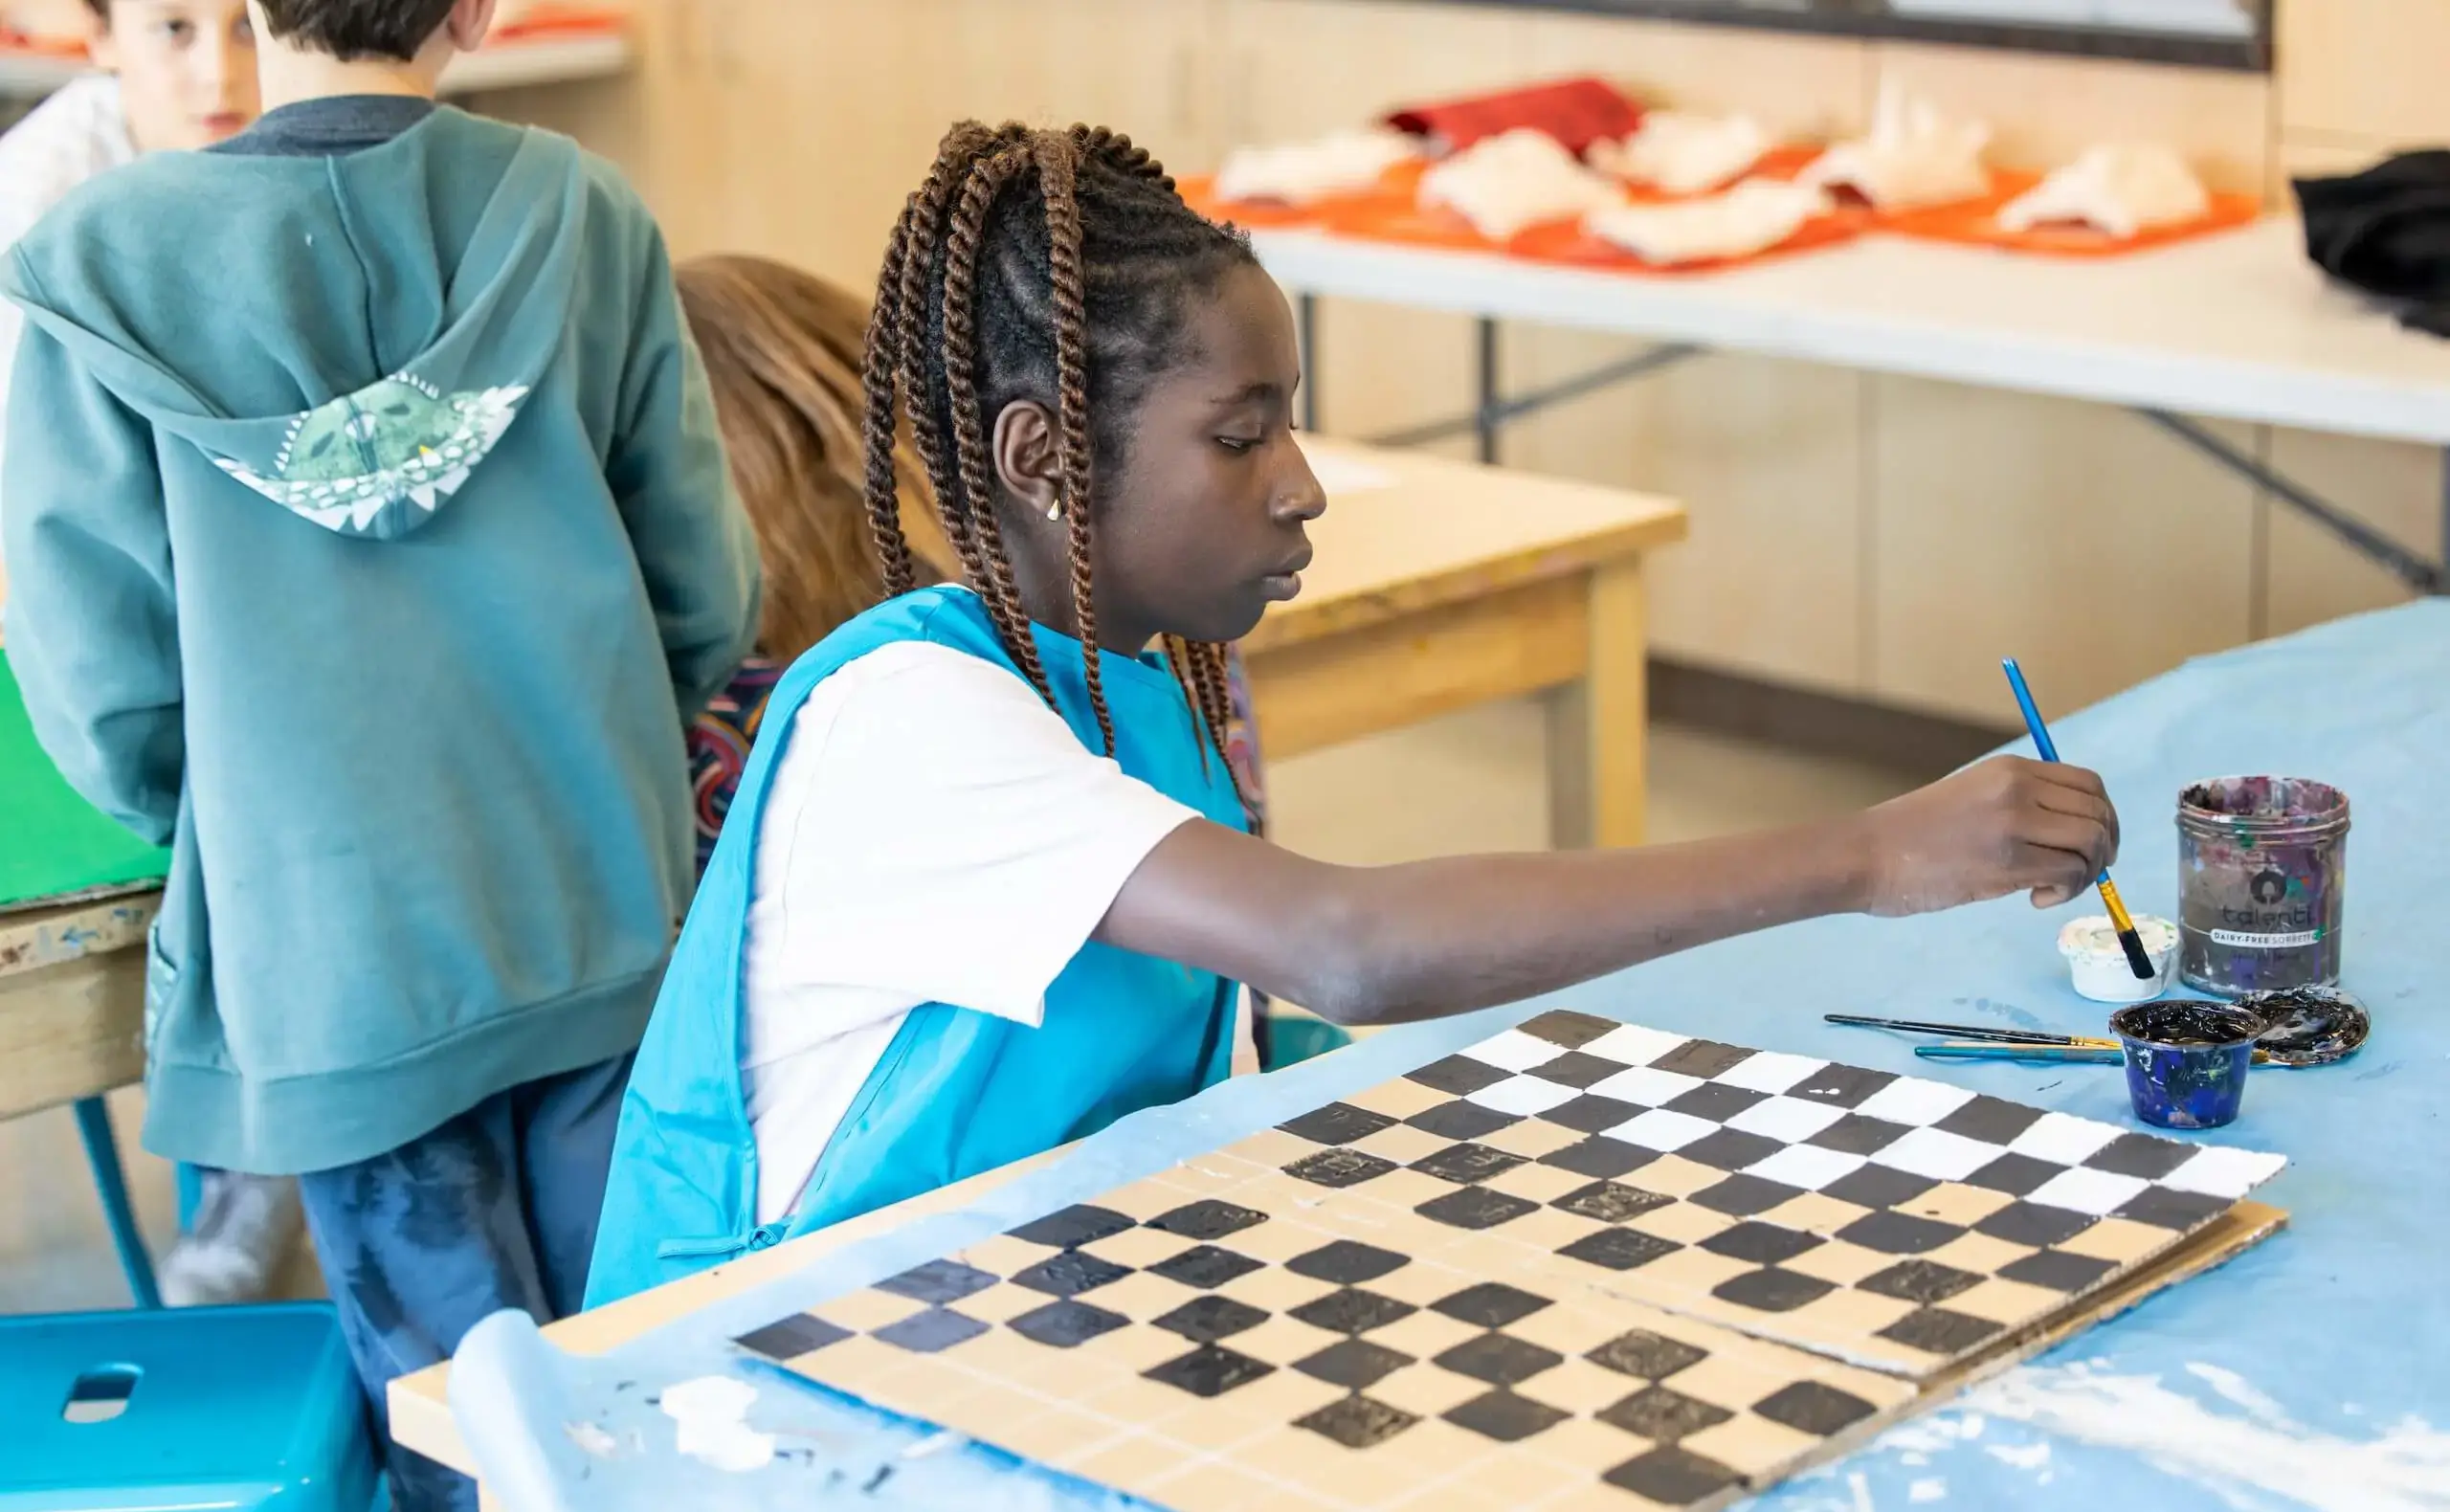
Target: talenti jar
[[2262, 867]]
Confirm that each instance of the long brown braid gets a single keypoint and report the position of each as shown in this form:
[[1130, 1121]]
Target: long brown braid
[[1049, 265]]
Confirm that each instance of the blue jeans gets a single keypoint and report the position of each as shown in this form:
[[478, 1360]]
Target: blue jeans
[[495, 1208]]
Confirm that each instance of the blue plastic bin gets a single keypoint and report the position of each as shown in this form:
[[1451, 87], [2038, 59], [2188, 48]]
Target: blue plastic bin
[[238, 1408]]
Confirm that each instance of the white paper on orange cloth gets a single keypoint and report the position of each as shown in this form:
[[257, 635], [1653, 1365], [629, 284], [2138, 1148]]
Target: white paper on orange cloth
[[1913, 157], [1306, 172], [1518, 178], [1682, 153], [2121, 188], [1753, 216]]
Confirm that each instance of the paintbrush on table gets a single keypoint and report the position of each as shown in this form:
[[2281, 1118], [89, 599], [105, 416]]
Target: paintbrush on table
[[2131, 942]]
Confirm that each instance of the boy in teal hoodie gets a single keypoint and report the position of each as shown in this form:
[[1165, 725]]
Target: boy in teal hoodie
[[370, 543]]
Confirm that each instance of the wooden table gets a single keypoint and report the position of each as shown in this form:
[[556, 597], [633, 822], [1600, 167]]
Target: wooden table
[[72, 1001], [1440, 585]]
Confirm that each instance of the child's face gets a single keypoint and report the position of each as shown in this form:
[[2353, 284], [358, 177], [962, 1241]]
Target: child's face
[[1202, 527], [187, 70]]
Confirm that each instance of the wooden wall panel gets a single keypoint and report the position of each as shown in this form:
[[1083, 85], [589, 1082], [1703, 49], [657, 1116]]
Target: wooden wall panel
[[2365, 69]]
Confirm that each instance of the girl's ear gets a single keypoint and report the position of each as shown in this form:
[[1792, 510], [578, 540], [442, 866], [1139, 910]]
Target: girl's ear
[[1028, 456]]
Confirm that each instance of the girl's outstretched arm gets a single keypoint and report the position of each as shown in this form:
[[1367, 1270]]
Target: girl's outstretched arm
[[1382, 945]]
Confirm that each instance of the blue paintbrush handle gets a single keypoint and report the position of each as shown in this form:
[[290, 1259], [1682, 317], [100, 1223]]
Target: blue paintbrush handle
[[2075, 1052], [2033, 716]]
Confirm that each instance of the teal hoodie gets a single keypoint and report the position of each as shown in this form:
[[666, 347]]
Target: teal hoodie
[[369, 542]]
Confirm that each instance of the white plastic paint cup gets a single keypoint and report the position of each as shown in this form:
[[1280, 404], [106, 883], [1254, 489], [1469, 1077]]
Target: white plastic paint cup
[[2097, 963]]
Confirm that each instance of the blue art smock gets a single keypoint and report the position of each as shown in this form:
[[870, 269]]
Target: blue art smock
[[958, 1091]]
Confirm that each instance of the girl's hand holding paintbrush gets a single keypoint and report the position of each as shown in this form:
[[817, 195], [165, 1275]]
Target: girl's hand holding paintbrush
[[2047, 828]]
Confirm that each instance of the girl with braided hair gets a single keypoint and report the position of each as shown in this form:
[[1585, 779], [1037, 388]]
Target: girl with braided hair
[[988, 885]]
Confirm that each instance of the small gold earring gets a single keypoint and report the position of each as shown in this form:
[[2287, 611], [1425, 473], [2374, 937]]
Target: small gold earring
[[1055, 510]]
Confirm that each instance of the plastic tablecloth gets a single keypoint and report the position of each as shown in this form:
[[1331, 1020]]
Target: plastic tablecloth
[[2314, 1371]]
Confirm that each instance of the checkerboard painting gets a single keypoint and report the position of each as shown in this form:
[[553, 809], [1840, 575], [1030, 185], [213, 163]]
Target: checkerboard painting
[[1580, 1263]]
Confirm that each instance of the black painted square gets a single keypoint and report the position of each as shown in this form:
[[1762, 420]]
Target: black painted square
[[1339, 1167], [1204, 1266], [1064, 1325], [1645, 1355], [1672, 1476], [1840, 1087], [792, 1337], [1504, 1416], [1499, 1359], [1461, 1120], [1074, 1225], [1572, 1031], [1210, 1370], [1859, 1134], [1467, 1162], [1600, 1157], [1989, 1120], [1899, 1233], [1716, 1102], [1357, 1422], [2057, 1270], [2031, 1223], [1762, 1243], [1490, 1305], [1475, 1207], [1704, 1058], [1936, 1330], [1353, 1364], [1610, 1201], [1772, 1290], [1810, 1407], [938, 1282], [1878, 1186], [1577, 1069], [1662, 1414], [927, 1332], [1336, 1123], [2016, 1175], [2141, 1155], [1352, 1310], [1208, 1219], [1347, 1263], [1070, 1274], [1591, 1113], [1205, 1319], [1457, 1075], [2165, 1209], [1619, 1248], [1730, 1149], [1740, 1196], [1919, 1281]]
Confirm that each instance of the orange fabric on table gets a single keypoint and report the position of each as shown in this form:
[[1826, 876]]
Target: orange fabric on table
[[1977, 223], [1396, 189]]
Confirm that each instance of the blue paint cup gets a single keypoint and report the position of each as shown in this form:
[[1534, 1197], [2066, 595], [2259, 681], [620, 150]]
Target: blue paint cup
[[2187, 1061]]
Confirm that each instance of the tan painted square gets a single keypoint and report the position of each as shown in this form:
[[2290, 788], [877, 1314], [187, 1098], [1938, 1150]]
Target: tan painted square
[[1576, 1384], [1685, 1222], [1273, 1288], [1421, 1282], [1598, 1497], [1143, 1200], [1273, 1148], [1002, 1254], [1139, 1347], [1490, 1252], [1320, 1466], [854, 1362], [1278, 1239], [1402, 1143], [1674, 1176], [1421, 1335], [1399, 1099], [999, 1353], [1514, 1480], [1139, 1247], [1281, 1197], [1218, 1486], [1403, 1190], [1209, 1176], [1840, 1262], [1815, 1212], [1978, 1253], [1543, 1184], [1388, 1227], [1280, 1341], [1688, 1270], [1133, 1464], [1532, 1138], [1432, 1447], [1139, 1297], [1057, 1432], [1733, 1376], [1584, 1446], [2005, 1302], [1845, 1313], [1132, 1399], [994, 1404], [1001, 1303], [1215, 1424], [1754, 1445], [1883, 1391], [1949, 1202], [1570, 1327], [1424, 1389], [868, 1310], [2119, 1239], [1282, 1395], [1548, 1230]]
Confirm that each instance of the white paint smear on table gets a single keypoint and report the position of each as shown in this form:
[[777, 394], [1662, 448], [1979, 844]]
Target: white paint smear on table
[[2256, 1459], [711, 1414]]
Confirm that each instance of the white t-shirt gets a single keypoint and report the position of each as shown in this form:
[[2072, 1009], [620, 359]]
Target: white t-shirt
[[78, 133], [933, 833]]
